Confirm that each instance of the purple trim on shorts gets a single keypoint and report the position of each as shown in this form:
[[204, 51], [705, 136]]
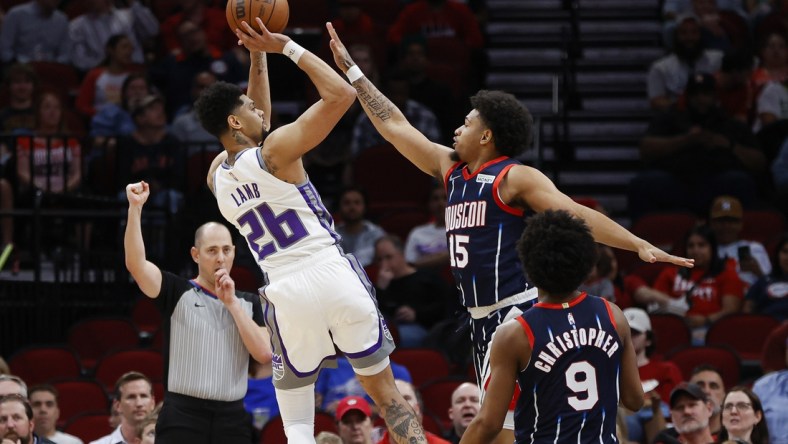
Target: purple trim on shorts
[[312, 198], [282, 344], [356, 266]]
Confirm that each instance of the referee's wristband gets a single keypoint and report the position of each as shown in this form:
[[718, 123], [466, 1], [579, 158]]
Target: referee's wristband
[[293, 51], [354, 73]]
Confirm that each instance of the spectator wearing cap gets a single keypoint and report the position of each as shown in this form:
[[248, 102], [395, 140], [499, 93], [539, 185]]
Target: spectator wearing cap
[[772, 389], [659, 378], [725, 219], [668, 76], [354, 420], [690, 410], [694, 153]]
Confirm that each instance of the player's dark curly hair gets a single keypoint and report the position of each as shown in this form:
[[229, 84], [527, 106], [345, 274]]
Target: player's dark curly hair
[[557, 251], [216, 103], [510, 121]]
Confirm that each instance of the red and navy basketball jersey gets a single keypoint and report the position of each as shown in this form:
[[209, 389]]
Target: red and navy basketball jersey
[[569, 391], [482, 232]]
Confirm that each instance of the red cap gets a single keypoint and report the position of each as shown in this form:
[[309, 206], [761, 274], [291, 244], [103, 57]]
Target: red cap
[[349, 403]]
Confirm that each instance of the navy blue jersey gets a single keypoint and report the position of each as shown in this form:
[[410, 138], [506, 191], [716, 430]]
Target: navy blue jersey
[[482, 232], [569, 390]]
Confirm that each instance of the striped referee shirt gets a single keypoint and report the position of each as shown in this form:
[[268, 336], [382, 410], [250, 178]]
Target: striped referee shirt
[[204, 356]]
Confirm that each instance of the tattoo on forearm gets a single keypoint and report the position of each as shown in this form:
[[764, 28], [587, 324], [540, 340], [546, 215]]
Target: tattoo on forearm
[[402, 423], [260, 66], [380, 106]]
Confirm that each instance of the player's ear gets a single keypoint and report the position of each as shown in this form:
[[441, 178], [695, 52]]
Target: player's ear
[[233, 121], [486, 136]]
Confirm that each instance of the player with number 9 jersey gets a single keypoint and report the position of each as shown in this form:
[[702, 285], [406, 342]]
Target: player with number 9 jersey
[[569, 389]]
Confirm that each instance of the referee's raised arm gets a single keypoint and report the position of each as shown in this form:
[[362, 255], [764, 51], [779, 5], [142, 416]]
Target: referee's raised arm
[[145, 273]]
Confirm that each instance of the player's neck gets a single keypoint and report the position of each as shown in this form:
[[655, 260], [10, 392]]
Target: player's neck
[[485, 156], [548, 298]]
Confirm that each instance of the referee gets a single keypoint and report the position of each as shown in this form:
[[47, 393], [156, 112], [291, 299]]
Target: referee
[[210, 332]]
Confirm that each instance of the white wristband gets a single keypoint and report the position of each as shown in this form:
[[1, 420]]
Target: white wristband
[[293, 51], [354, 73]]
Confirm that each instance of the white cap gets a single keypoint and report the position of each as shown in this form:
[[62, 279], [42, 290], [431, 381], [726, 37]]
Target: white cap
[[638, 319]]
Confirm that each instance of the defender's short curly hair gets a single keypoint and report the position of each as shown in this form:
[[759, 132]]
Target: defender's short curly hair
[[510, 121], [216, 103], [557, 251]]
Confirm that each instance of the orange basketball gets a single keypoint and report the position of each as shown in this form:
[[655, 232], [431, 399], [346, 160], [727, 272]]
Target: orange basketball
[[273, 13]]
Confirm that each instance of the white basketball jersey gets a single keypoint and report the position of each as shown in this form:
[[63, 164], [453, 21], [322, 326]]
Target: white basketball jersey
[[282, 222]]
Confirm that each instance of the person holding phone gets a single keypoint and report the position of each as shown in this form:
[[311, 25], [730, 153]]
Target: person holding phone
[[725, 219]]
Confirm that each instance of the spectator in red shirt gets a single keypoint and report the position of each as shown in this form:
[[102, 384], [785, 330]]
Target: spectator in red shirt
[[712, 288], [437, 18], [103, 84], [211, 20]]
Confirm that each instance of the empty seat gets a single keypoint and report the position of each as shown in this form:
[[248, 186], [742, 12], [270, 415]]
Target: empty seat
[[112, 366], [436, 396], [40, 364], [92, 338], [670, 332], [77, 396], [401, 222], [89, 426], [723, 358], [664, 230], [146, 316], [744, 333], [762, 225], [424, 364]]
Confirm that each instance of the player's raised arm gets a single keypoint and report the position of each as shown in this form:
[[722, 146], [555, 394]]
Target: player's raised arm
[[290, 142], [432, 158], [259, 90], [528, 187]]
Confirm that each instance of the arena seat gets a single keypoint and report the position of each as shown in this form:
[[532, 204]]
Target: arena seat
[[40, 364], [725, 359], [77, 396], [145, 316], [762, 225], [115, 364], [437, 398], [744, 333], [670, 332], [89, 426], [424, 364], [93, 338]]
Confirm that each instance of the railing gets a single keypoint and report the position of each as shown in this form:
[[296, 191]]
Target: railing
[[69, 210]]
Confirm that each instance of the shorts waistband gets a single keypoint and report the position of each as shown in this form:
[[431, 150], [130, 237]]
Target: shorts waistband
[[199, 402], [301, 264], [483, 312]]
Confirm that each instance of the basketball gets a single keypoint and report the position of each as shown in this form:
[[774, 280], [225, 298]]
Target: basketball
[[273, 13]]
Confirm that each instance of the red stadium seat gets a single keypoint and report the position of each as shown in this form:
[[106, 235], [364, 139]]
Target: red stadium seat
[[762, 226], [378, 169], [723, 358], [437, 398], [246, 279], [401, 222], [37, 365], [92, 338], [664, 230], [146, 316], [78, 396], [273, 432], [424, 364], [670, 331], [114, 365], [89, 426], [744, 333], [58, 76], [773, 353]]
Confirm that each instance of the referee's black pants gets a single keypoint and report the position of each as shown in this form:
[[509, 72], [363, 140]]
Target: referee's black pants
[[185, 419]]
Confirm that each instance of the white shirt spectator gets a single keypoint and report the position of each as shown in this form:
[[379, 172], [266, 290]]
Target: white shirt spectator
[[668, 76], [64, 438], [425, 240], [22, 39], [89, 33], [758, 253], [113, 438], [772, 100]]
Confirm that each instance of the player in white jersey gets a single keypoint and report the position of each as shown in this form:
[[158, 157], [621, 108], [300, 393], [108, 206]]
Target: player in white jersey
[[316, 296]]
